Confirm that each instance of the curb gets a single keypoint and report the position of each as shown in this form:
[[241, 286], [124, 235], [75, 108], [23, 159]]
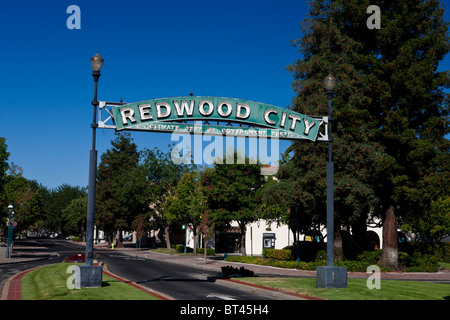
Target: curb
[[12, 289], [298, 295], [157, 294]]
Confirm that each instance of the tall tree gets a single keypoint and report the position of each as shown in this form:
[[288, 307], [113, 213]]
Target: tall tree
[[162, 176], [327, 48], [188, 202], [75, 216], [233, 193], [400, 67], [55, 201], [4, 155], [120, 187], [28, 201], [391, 114]]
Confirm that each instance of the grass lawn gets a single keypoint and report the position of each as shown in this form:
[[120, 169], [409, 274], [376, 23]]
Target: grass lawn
[[357, 289], [50, 283]]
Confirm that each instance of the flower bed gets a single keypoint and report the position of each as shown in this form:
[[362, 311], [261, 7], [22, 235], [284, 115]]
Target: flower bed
[[79, 257]]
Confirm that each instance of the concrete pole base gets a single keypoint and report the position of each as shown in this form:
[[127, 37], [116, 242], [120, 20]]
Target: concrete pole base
[[331, 277], [90, 276]]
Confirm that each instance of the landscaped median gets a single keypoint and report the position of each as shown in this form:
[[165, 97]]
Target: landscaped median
[[50, 283]]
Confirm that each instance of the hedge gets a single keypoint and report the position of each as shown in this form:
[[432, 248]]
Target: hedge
[[277, 254], [417, 257], [209, 252]]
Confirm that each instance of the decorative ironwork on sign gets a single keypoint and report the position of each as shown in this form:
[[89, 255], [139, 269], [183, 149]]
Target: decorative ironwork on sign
[[212, 116]]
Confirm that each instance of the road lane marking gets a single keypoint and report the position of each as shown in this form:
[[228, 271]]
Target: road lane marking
[[220, 296]]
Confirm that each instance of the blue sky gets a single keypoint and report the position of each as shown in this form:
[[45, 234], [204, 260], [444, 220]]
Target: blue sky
[[152, 49]]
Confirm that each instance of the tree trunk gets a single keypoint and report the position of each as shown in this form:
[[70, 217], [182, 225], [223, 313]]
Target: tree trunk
[[167, 237], [243, 250], [337, 238], [195, 231], [389, 254], [360, 240], [119, 239], [205, 240]]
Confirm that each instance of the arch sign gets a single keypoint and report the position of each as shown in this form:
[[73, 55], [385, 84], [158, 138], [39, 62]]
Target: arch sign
[[214, 116]]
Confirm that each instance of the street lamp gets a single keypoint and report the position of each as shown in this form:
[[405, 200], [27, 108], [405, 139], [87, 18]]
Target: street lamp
[[96, 64], [10, 228], [330, 82], [90, 275], [330, 276], [185, 234]]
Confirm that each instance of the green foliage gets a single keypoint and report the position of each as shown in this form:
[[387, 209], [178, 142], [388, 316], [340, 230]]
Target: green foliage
[[56, 201], [120, 185], [180, 248], [209, 251], [161, 178], [75, 216], [422, 258], [187, 202], [435, 224], [370, 257], [233, 192], [277, 254], [4, 155]]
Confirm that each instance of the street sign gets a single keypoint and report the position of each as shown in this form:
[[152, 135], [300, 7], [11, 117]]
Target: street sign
[[217, 116]]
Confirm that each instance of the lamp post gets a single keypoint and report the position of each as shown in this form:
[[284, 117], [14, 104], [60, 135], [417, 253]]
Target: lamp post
[[90, 275], [330, 82], [10, 228], [96, 64], [185, 234], [330, 276]]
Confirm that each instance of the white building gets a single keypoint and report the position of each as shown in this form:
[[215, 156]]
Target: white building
[[261, 234]]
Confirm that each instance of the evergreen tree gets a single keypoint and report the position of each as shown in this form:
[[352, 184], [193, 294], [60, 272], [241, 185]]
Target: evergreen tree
[[390, 112], [120, 187], [326, 48], [400, 67]]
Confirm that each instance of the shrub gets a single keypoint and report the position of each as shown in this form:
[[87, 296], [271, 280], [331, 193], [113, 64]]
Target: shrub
[[423, 263], [209, 252], [228, 271], [180, 248], [370, 257], [321, 255], [277, 254]]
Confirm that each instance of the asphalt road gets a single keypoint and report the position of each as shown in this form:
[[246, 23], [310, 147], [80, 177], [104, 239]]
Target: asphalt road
[[180, 282]]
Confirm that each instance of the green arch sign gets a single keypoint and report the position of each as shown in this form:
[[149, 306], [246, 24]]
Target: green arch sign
[[218, 116]]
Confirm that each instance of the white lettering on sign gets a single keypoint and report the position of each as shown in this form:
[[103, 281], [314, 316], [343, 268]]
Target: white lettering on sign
[[228, 109], [220, 109], [201, 108], [127, 113], [144, 111], [161, 114], [184, 107], [239, 113], [266, 116]]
